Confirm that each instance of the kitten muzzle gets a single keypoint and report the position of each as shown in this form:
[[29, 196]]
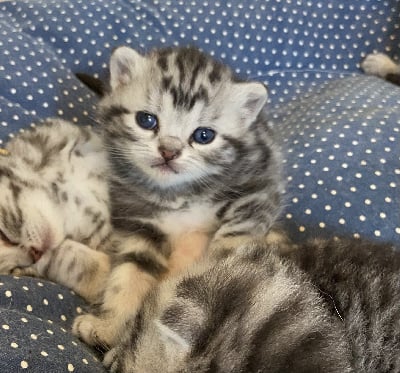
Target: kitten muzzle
[[165, 167], [35, 254]]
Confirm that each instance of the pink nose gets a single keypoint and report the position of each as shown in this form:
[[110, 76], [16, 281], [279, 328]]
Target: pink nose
[[168, 154]]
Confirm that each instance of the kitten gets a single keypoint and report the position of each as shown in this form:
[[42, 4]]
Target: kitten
[[381, 65], [324, 306], [194, 168], [54, 206]]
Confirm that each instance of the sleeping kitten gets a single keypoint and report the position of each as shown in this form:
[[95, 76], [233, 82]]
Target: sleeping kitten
[[324, 306], [381, 65], [54, 206], [194, 168]]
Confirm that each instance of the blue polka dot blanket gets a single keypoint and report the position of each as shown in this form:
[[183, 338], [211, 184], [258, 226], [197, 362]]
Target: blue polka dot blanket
[[340, 128]]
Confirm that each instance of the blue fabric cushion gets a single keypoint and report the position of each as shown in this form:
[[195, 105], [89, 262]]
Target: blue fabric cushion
[[340, 128]]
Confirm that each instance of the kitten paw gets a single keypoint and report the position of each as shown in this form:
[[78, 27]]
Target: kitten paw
[[95, 331], [25, 271], [110, 360], [379, 64]]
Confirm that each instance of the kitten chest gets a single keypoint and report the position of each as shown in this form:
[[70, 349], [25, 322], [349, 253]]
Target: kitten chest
[[189, 232]]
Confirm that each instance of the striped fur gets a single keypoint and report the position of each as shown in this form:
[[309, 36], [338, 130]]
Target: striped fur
[[54, 205], [247, 312], [322, 306], [207, 197]]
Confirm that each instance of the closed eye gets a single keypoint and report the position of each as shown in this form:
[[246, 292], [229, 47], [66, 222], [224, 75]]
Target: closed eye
[[5, 239]]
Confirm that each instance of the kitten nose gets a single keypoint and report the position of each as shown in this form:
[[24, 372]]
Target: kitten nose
[[169, 154], [170, 148]]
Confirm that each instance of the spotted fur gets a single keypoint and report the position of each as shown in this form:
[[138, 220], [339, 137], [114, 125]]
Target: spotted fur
[[174, 198], [54, 206]]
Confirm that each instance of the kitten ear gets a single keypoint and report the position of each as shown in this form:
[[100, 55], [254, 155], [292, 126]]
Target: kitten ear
[[250, 98], [125, 63], [172, 338]]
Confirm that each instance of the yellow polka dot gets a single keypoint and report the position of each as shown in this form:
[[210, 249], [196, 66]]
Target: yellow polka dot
[[24, 364], [34, 337], [5, 327], [71, 368], [44, 353], [8, 294], [29, 308], [14, 345], [61, 347]]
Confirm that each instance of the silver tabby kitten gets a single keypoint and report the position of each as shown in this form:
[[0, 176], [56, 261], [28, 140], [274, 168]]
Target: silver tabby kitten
[[54, 206], [194, 168], [321, 307]]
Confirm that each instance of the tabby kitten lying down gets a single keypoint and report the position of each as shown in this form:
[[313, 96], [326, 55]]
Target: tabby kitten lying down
[[54, 207], [325, 306]]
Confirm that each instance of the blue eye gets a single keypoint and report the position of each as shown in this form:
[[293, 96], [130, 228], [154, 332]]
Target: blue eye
[[203, 135], [146, 120]]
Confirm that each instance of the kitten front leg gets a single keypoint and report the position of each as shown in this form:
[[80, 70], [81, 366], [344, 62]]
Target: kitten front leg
[[76, 266], [13, 257], [136, 269]]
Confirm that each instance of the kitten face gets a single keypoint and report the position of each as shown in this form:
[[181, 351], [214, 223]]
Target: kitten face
[[175, 114], [28, 219]]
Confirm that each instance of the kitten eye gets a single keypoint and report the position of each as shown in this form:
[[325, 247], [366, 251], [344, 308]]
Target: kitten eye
[[203, 135], [5, 239], [146, 120]]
